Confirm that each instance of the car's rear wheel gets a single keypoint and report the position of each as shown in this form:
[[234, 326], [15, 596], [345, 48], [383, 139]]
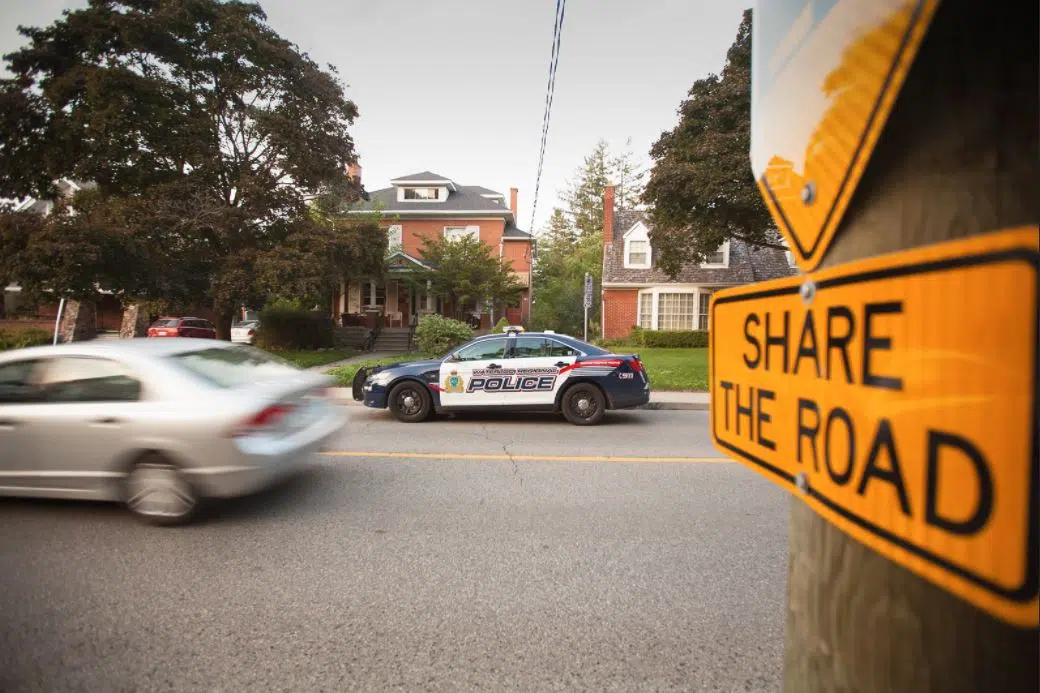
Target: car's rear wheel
[[584, 404], [410, 402], [158, 492]]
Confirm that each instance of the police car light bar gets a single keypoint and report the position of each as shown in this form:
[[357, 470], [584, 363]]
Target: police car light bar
[[514, 329]]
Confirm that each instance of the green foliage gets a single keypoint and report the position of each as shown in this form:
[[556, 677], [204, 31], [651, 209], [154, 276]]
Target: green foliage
[[583, 197], [668, 339], [467, 272], [208, 136], [701, 189], [500, 326], [20, 339], [559, 285], [344, 374], [437, 335], [285, 328]]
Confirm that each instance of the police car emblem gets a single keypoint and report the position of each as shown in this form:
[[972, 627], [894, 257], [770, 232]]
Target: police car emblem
[[453, 383]]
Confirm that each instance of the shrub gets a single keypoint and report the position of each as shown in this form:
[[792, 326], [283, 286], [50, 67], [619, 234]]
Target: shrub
[[500, 326], [438, 335], [20, 339], [285, 327], [679, 339]]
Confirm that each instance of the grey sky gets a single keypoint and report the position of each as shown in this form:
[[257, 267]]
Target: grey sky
[[458, 86]]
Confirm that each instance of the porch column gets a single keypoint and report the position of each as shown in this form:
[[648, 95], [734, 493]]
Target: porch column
[[429, 296], [371, 292], [342, 297]]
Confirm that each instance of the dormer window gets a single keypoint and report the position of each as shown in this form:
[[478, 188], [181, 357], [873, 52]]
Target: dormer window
[[637, 247], [720, 258], [422, 193], [638, 252]]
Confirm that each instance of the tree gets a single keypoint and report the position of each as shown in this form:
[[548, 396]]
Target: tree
[[466, 272], [583, 198], [559, 279], [558, 231], [701, 189], [628, 175], [196, 106]]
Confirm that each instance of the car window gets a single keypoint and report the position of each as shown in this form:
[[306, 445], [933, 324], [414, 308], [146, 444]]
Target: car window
[[560, 349], [169, 322], [15, 384], [485, 349], [530, 347], [82, 379], [231, 367]]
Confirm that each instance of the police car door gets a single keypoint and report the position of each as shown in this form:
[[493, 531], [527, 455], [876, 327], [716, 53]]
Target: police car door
[[471, 378], [539, 367]]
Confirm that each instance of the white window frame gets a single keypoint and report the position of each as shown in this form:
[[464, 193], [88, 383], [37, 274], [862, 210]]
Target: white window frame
[[725, 257], [394, 237], [656, 291], [471, 230], [638, 232]]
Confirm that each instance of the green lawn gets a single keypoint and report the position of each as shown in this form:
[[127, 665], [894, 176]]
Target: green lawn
[[344, 375], [307, 359], [673, 369]]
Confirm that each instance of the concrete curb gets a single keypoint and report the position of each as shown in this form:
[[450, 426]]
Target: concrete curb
[[344, 395]]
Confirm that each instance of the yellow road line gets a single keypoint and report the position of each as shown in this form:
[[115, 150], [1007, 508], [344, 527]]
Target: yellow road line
[[519, 458]]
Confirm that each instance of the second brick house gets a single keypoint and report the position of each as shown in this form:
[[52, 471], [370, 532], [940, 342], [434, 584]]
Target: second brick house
[[427, 205], [635, 292]]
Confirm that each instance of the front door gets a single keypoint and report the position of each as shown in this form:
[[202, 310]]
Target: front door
[[17, 399], [539, 367], [82, 421], [471, 377]]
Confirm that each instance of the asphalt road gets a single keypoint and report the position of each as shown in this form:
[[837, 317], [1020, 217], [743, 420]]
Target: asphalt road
[[384, 568]]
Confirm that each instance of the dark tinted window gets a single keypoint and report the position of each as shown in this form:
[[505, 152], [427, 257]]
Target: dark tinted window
[[485, 349], [167, 322], [531, 347], [15, 382], [74, 379]]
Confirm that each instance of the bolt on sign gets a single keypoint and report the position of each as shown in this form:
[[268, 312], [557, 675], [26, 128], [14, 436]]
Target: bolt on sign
[[825, 74], [897, 396]]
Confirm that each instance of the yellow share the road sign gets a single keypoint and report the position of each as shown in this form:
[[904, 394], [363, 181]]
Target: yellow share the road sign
[[897, 396], [825, 75]]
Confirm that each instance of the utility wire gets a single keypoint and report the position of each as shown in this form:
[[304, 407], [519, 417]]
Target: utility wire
[[554, 60]]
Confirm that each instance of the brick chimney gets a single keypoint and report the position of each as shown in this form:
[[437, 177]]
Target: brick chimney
[[608, 214], [354, 172], [512, 204]]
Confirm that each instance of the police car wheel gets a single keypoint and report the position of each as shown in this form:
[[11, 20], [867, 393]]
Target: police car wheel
[[410, 402], [584, 405]]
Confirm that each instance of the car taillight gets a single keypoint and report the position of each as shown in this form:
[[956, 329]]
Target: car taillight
[[151, 331], [266, 418], [636, 365], [252, 332]]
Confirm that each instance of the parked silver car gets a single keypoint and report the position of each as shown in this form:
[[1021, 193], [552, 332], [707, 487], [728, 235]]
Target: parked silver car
[[160, 424]]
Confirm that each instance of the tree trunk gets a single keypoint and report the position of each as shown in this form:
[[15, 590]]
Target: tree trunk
[[135, 322], [223, 317], [958, 157]]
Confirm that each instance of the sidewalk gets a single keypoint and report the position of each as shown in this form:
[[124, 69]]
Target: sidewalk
[[669, 401]]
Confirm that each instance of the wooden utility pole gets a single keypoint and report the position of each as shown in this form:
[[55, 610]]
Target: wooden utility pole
[[958, 157]]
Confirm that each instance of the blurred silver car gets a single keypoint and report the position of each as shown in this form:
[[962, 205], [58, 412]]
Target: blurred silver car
[[159, 424]]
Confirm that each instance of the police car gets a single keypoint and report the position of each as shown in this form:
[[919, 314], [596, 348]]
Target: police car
[[515, 371]]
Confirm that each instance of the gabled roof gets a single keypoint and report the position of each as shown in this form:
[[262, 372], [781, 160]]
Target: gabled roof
[[746, 263], [421, 177], [465, 198], [511, 232], [401, 259]]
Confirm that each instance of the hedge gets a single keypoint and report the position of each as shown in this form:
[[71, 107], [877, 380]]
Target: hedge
[[669, 339], [20, 339], [283, 328], [437, 335]]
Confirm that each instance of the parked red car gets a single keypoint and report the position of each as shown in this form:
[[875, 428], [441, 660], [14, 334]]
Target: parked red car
[[183, 327]]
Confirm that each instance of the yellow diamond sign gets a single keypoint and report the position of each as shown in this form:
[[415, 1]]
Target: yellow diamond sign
[[825, 74]]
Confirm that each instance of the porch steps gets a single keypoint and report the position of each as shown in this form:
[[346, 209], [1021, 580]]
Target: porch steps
[[397, 340]]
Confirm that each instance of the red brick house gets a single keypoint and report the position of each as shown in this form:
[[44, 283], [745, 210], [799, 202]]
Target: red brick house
[[425, 205], [635, 292]]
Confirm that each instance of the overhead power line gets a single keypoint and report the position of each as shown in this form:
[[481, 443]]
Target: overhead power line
[[554, 60]]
